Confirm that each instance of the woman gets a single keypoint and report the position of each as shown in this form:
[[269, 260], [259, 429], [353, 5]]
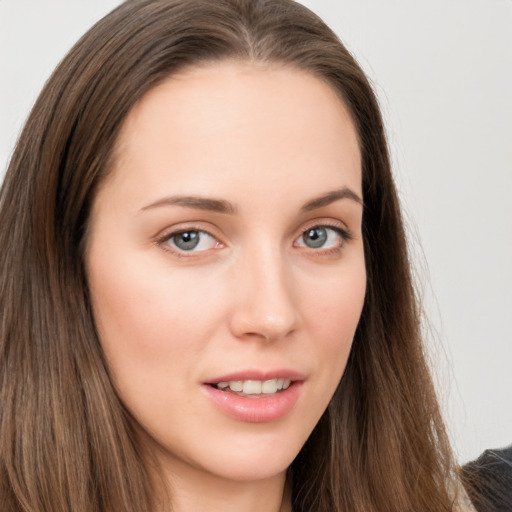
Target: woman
[[198, 312]]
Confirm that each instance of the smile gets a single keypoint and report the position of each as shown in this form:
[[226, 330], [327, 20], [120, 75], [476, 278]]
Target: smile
[[256, 396], [255, 387]]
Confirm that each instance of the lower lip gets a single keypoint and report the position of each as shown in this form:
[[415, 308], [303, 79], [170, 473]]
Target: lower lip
[[253, 409]]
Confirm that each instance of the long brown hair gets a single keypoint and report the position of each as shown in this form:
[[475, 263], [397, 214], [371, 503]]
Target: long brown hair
[[66, 442]]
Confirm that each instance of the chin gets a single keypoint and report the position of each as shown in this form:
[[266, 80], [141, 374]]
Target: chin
[[237, 456]]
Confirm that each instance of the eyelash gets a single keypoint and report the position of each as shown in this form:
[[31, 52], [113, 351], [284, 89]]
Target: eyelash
[[343, 233], [180, 253]]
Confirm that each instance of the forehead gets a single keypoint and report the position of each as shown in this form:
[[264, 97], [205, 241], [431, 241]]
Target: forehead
[[234, 123]]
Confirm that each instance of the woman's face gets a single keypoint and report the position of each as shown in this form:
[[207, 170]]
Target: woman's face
[[226, 268]]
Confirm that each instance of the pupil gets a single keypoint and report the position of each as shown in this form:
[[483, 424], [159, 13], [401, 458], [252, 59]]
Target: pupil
[[315, 237], [187, 240]]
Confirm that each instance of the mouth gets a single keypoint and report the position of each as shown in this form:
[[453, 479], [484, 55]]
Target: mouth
[[254, 388], [256, 396]]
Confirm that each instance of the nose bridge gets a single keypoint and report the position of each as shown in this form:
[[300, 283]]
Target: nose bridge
[[265, 305]]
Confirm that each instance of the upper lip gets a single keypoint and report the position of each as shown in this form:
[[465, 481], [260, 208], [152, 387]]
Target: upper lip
[[256, 374]]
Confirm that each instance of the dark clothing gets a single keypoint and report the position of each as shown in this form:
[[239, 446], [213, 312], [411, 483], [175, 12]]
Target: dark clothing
[[488, 481]]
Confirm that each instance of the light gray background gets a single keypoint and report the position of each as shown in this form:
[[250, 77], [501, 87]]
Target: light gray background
[[443, 72]]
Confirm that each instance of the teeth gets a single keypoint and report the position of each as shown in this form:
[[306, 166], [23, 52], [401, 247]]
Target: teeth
[[256, 387], [252, 387], [269, 386], [236, 385]]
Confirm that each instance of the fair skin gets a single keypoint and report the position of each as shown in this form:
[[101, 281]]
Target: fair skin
[[225, 251]]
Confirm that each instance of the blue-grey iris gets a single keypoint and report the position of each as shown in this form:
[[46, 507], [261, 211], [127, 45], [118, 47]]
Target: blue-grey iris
[[315, 237], [187, 240]]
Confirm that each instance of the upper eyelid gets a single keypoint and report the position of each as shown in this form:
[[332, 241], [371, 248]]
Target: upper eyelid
[[327, 223], [192, 226]]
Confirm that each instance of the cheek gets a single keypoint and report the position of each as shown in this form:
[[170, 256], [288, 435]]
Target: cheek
[[154, 328], [144, 317], [333, 314]]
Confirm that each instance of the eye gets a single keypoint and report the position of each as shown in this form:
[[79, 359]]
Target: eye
[[192, 240], [322, 237]]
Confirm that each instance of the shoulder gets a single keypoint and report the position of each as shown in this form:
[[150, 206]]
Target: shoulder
[[488, 480]]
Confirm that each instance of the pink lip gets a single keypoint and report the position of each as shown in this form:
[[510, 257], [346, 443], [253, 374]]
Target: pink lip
[[259, 375], [253, 409]]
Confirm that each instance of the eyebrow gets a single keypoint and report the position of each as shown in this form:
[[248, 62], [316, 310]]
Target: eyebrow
[[196, 202], [222, 206], [331, 197]]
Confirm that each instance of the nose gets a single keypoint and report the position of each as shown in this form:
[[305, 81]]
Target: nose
[[264, 299]]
